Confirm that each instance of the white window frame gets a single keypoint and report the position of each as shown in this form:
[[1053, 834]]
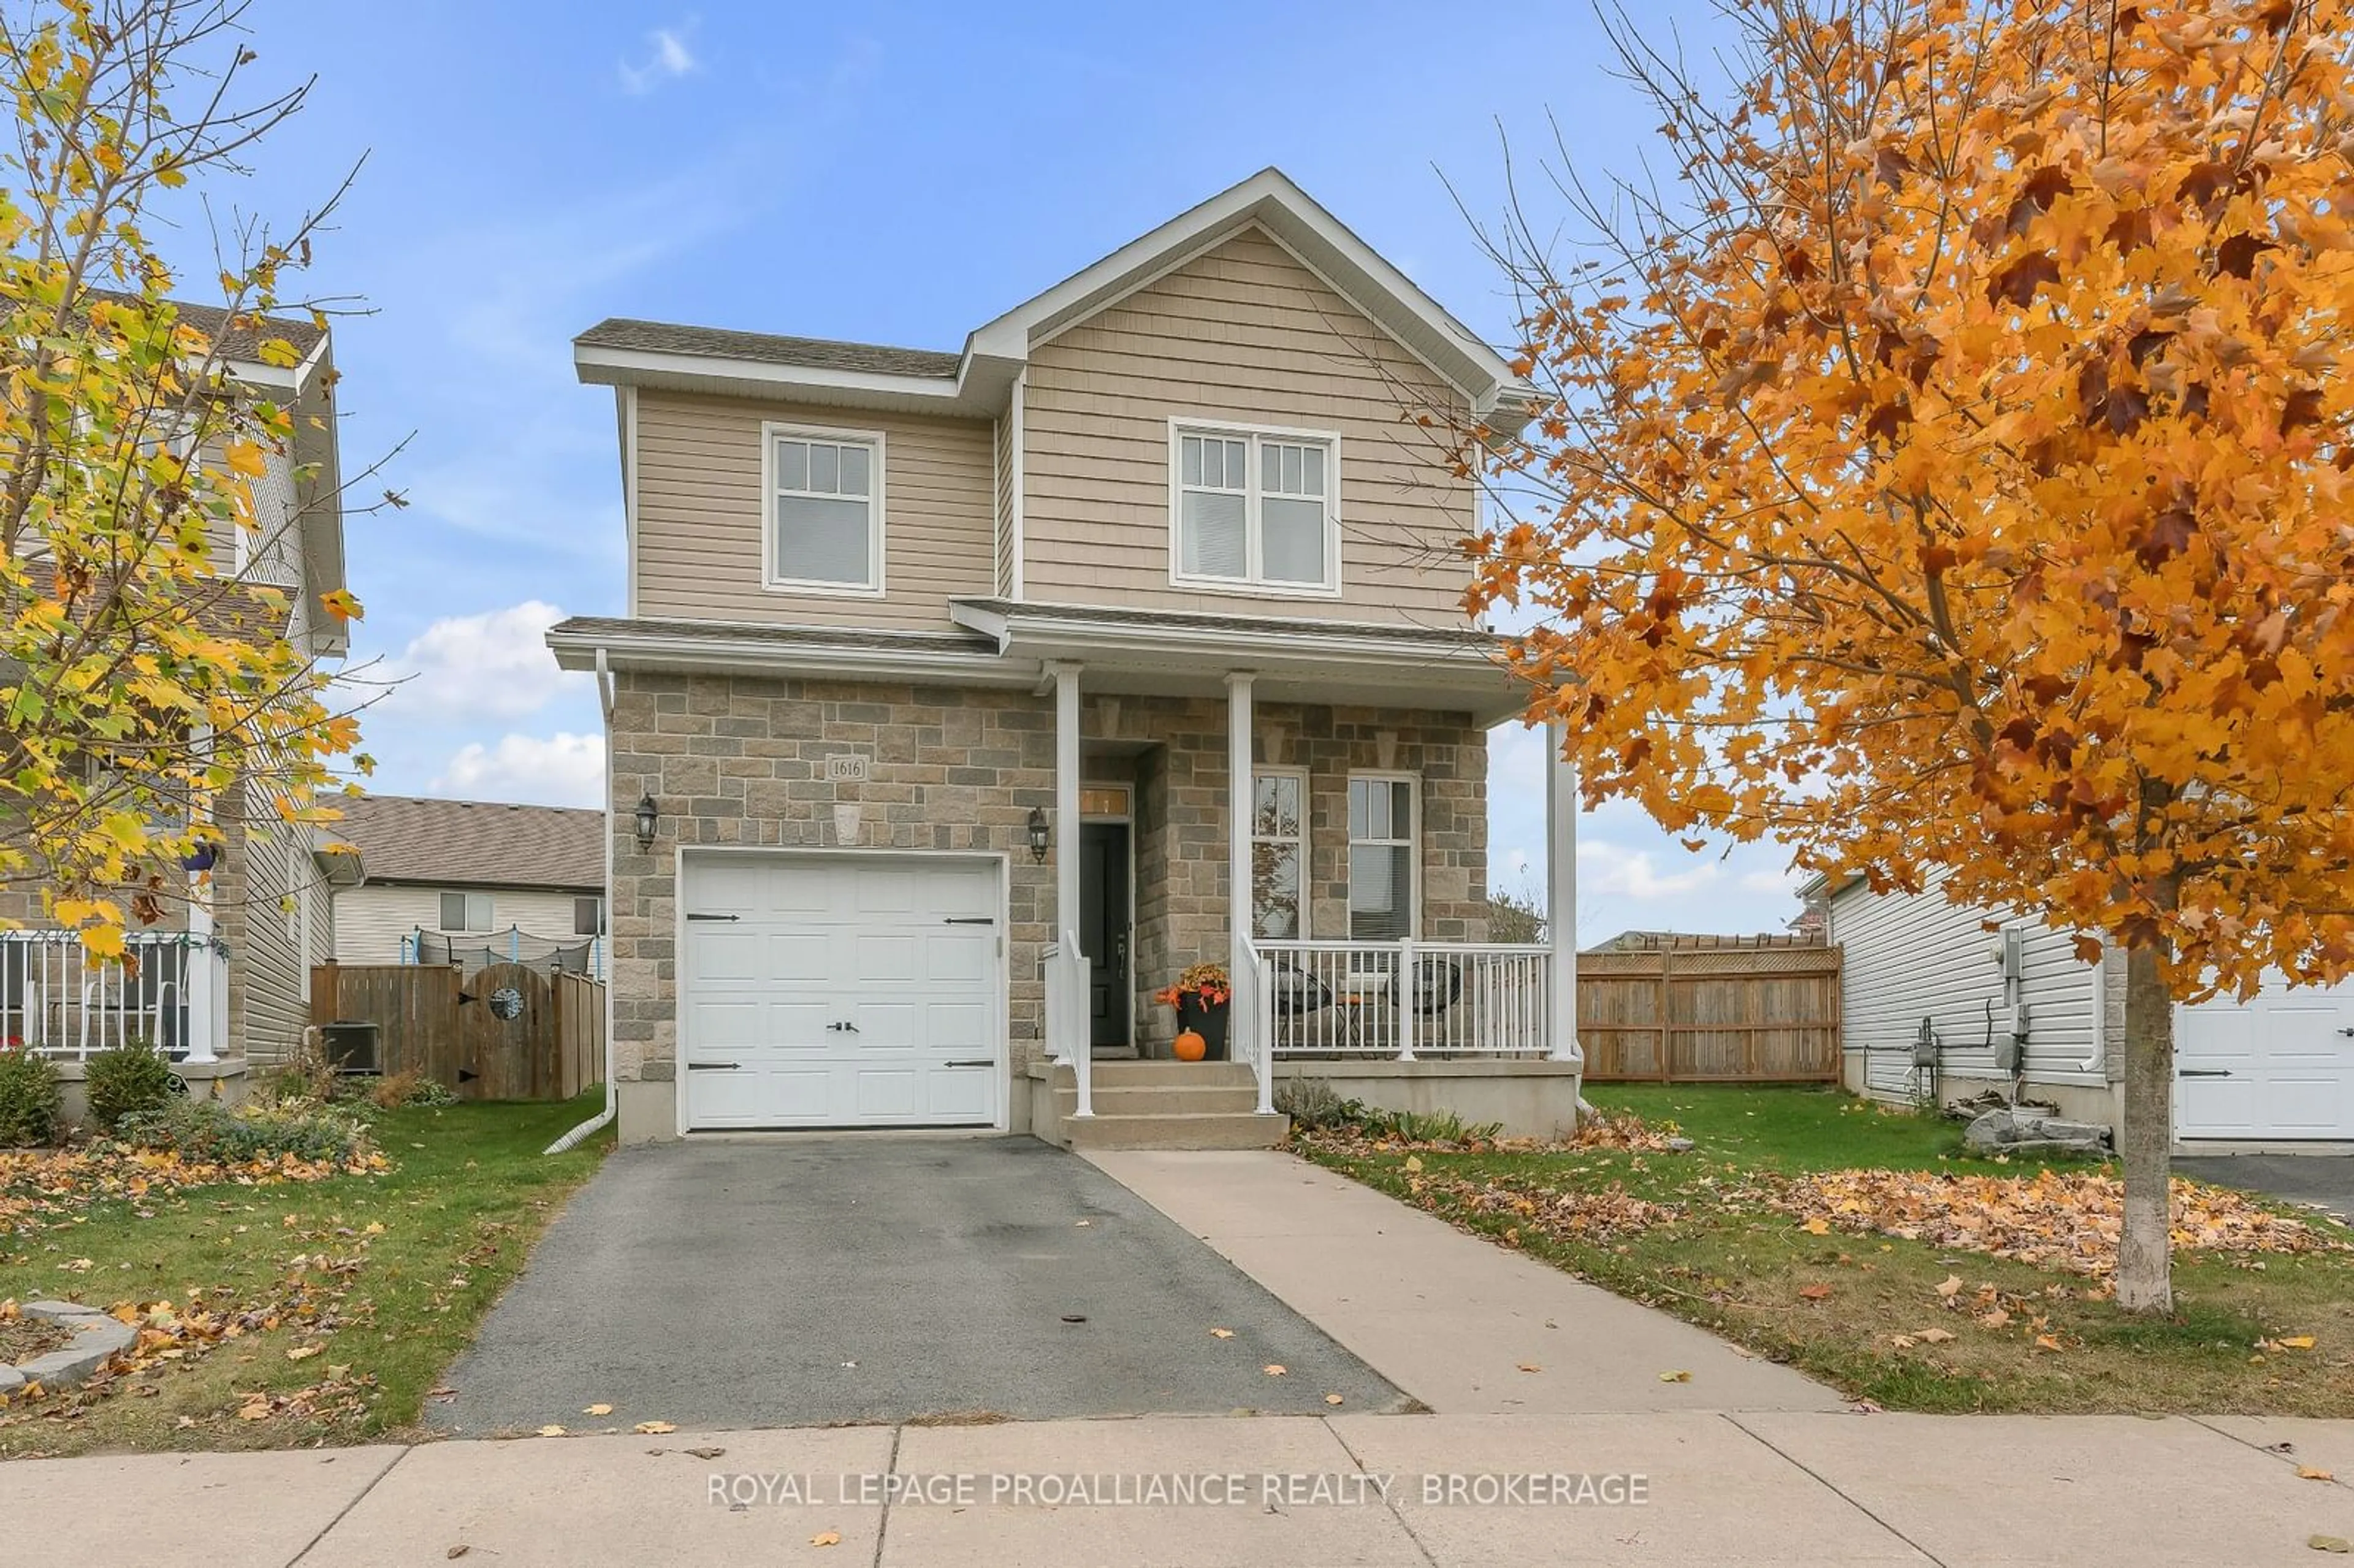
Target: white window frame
[[577, 900], [1255, 585], [1298, 841], [490, 913], [1413, 843], [770, 433]]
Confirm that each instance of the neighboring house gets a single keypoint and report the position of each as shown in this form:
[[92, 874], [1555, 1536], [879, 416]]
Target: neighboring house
[[228, 975], [1654, 941], [933, 664], [520, 882], [2278, 1069]]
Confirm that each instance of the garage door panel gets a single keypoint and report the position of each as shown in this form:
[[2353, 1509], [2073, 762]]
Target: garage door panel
[[880, 959], [2278, 1066], [842, 992]]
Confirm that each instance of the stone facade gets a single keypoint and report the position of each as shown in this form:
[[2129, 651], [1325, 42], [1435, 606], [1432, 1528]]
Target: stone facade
[[740, 761]]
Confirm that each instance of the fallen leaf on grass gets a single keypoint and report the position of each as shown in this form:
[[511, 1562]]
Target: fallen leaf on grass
[[2314, 1473], [1675, 1377], [598, 1410], [1951, 1287], [1935, 1336], [304, 1352], [653, 1428], [1815, 1292], [2297, 1342], [826, 1537], [1413, 1162], [1994, 1318], [1818, 1226], [2047, 1341]]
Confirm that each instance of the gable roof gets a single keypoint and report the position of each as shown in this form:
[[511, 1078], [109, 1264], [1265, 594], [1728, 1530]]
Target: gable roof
[[477, 844], [976, 381]]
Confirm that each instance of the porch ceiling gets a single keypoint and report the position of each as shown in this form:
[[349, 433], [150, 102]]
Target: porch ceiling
[[1176, 653]]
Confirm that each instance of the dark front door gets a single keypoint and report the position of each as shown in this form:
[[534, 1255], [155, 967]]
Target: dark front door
[[1103, 929]]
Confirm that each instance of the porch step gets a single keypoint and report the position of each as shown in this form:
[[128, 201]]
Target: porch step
[[1162, 1105], [1184, 1129]]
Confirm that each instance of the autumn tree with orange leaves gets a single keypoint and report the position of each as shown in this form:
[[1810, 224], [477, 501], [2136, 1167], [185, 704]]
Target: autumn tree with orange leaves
[[1942, 467]]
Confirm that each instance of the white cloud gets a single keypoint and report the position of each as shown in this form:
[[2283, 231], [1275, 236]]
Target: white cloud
[[667, 59], [493, 665], [563, 769], [1603, 867]]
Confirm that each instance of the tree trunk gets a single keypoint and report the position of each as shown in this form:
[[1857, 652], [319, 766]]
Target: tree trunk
[[2144, 1142]]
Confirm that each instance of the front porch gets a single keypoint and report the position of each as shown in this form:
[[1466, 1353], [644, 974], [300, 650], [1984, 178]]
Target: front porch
[[170, 991], [1317, 826]]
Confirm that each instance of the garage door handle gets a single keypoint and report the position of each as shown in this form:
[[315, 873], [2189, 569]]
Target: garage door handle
[[2204, 1072], [989, 920], [984, 1062], [714, 917], [713, 1066]]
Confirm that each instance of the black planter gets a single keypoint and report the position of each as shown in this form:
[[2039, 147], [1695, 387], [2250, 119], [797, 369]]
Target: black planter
[[1207, 1019]]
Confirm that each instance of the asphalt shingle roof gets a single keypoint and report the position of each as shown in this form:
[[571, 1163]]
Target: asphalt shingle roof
[[403, 839], [824, 353]]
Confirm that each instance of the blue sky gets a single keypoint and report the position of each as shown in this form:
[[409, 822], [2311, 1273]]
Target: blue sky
[[886, 172]]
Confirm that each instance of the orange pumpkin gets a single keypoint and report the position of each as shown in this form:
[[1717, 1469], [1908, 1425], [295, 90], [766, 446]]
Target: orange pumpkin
[[1191, 1046]]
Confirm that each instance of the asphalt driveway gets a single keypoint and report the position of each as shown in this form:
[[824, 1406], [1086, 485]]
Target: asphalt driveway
[[2323, 1180], [804, 1281]]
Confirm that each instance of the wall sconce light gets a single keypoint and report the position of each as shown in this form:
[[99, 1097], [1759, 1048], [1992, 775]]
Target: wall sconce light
[[648, 819], [1039, 836]]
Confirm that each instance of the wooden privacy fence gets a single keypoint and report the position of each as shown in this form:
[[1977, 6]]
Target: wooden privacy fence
[[505, 1033], [1694, 1015]]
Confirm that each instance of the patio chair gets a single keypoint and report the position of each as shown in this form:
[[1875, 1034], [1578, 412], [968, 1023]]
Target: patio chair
[[1294, 995]]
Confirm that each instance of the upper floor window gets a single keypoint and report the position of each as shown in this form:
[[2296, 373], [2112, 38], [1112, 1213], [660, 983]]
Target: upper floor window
[[825, 510], [1255, 508]]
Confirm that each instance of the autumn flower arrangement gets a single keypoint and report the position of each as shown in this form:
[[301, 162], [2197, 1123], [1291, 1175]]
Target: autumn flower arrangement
[[1205, 983]]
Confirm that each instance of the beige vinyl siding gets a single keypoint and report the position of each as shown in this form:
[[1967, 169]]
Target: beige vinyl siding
[[258, 913], [274, 553], [701, 512], [371, 920], [1243, 334]]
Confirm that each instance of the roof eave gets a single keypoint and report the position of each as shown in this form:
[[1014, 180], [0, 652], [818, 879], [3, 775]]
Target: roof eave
[[978, 390]]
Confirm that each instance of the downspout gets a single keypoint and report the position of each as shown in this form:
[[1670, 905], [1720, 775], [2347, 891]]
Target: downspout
[[604, 1117]]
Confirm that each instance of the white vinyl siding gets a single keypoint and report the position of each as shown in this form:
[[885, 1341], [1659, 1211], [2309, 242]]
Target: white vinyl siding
[[1279, 855], [825, 510], [1907, 957], [1254, 509], [1383, 858], [371, 923]]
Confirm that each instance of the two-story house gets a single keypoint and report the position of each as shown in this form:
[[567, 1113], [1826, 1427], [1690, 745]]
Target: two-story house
[[225, 976], [964, 700]]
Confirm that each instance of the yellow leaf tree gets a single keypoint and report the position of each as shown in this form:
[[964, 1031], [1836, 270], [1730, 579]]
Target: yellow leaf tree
[[1941, 465], [150, 694]]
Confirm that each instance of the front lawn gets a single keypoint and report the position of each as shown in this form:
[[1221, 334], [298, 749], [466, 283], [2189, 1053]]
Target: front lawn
[[1886, 1283], [300, 1311]]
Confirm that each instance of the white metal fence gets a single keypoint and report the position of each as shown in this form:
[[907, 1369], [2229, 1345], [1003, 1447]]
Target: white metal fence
[[1403, 1000], [171, 991]]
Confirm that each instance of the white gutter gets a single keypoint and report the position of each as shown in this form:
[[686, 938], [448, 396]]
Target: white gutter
[[612, 1102], [738, 655]]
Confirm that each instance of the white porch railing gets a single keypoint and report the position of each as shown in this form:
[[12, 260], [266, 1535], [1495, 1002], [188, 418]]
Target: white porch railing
[[171, 992], [1403, 1000], [1064, 970]]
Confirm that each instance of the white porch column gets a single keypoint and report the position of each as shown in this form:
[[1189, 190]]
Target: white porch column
[[1242, 803], [1071, 1012], [200, 978], [1561, 897]]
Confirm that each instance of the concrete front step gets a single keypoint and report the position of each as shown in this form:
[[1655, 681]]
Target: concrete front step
[[1182, 1130], [1155, 1099]]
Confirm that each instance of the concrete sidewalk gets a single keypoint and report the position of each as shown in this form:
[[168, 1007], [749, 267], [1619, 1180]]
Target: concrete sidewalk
[[1461, 1324], [1796, 1488]]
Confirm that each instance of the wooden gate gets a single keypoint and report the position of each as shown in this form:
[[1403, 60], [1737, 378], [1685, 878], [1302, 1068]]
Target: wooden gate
[[1732, 1014], [506, 1032]]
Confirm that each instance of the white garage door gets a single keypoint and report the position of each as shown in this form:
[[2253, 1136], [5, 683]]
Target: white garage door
[[823, 991], [2279, 1065]]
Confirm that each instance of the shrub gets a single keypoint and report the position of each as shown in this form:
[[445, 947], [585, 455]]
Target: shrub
[[1429, 1126], [1313, 1105], [209, 1130], [409, 1087], [303, 1077], [127, 1080], [29, 1096]]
